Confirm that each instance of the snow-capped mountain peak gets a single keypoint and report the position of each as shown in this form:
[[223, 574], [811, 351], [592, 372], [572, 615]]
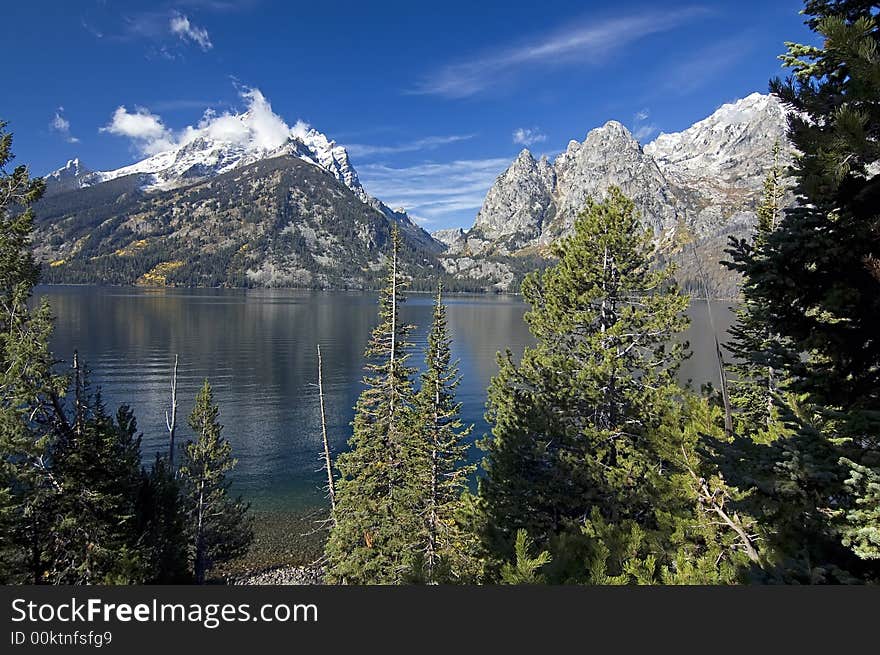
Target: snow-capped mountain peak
[[724, 145]]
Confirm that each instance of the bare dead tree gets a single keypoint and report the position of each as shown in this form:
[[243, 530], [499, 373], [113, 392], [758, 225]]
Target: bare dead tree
[[171, 418], [331, 489], [719, 356], [77, 395], [713, 500]]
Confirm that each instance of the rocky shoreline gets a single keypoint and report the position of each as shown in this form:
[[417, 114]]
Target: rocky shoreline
[[281, 575]]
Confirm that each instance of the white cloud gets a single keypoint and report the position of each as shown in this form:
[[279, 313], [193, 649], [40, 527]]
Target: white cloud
[[527, 136], [426, 143], [186, 31], [585, 44], [258, 128], [441, 194], [61, 126], [146, 130]]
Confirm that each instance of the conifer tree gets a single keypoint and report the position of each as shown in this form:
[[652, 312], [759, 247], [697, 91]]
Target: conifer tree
[[218, 525], [757, 352], [569, 420], [816, 280], [375, 534], [94, 529], [162, 525], [596, 453], [442, 463], [27, 384]]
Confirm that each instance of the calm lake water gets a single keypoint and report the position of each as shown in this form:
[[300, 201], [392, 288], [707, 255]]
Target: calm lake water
[[257, 347]]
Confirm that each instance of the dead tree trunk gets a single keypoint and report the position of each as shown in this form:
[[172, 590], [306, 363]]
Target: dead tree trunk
[[722, 374], [171, 419], [331, 489]]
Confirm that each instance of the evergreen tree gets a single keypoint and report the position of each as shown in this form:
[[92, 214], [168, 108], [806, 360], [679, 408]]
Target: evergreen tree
[[757, 352], [375, 535], [442, 469], [94, 536], [218, 525], [816, 280], [595, 451], [162, 524], [27, 384], [568, 419]]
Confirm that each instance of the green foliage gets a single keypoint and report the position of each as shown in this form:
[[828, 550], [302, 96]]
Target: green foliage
[[27, 384], [162, 526], [568, 419], [760, 356], [376, 526], [96, 467], [812, 297], [525, 569], [440, 463], [862, 528], [218, 526], [595, 450]]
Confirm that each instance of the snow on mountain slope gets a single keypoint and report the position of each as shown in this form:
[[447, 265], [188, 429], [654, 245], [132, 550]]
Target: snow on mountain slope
[[734, 144], [219, 144]]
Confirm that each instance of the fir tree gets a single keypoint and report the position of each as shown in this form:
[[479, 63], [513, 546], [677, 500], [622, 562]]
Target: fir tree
[[218, 525], [94, 533], [595, 451], [757, 352], [816, 280], [569, 419], [28, 386], [375, 535], [442, 468], [162, 525]]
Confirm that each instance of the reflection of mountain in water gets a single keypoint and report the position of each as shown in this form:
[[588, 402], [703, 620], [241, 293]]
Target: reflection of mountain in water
[[258, 349]]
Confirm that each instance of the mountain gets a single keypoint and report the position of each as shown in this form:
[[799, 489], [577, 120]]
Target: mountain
[[226, 207], [693, 190]]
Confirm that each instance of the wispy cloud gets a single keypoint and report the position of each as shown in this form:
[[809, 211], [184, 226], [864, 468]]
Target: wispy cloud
[[642, 127], [167, 32], [707, 64], [187, 31], [528, 135], [587, 44], [61, 126], [426, 143], [437, 193]]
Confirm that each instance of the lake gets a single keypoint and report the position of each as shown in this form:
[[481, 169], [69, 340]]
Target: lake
[[258, 349]]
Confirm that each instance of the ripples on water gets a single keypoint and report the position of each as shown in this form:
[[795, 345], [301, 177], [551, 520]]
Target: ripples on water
[[257, 348]]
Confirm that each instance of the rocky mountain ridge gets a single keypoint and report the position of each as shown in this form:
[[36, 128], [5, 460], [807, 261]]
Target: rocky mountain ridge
[[693, 189]]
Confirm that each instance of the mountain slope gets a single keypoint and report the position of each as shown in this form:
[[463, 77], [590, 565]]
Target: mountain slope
[[693, 190], [280, 221]]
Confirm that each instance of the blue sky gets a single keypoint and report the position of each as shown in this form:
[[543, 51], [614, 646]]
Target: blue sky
[[433, 99]]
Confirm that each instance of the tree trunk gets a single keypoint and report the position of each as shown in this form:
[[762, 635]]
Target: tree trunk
[[331, 490], [171, 420]]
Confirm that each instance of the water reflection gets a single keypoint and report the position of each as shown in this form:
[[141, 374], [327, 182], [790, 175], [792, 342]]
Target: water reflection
[[258, 349]]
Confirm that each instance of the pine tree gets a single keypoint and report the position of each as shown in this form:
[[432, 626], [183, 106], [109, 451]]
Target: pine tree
[[94, 530], [375, 535], [759, 355], [218, 525], [162, 525], [816, 280], [570, 418], [27, 385], [442, 460]]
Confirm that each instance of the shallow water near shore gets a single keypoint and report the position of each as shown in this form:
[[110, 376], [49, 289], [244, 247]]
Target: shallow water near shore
[[258, 348]]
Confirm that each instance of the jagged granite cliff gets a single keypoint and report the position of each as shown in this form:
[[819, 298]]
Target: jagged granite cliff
[[693, 189]]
